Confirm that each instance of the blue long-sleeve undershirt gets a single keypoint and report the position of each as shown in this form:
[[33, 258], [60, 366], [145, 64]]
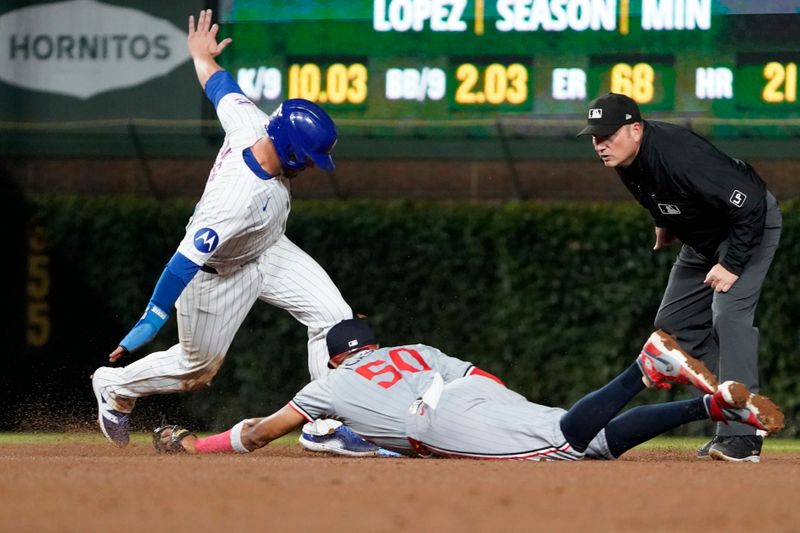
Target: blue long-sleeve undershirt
[[176, 275], [219, 84]]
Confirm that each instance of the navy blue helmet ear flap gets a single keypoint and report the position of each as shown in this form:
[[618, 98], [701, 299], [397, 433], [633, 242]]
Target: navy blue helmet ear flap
[[302, 133]]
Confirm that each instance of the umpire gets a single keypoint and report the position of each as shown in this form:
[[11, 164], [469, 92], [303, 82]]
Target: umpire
[[729, 224]]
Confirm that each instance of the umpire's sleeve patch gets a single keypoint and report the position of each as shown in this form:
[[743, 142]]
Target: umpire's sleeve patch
[[738, 198]]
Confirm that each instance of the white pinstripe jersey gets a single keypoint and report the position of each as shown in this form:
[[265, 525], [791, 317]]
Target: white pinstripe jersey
[[240, 214], [372, 391]]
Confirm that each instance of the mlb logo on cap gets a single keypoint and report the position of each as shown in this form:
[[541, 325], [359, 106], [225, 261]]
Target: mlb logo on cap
[[349, 335], [609, 113]]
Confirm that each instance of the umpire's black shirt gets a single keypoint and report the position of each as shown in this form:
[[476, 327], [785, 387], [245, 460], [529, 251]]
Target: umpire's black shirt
[[702, 195]]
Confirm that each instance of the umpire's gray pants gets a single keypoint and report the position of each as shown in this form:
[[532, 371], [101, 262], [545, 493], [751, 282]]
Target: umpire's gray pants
[[717, 327]]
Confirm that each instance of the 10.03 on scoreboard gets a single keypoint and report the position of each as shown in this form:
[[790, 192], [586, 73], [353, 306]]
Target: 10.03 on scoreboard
[[445, 59]]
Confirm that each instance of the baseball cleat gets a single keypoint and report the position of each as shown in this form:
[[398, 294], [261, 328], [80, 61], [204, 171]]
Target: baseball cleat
[[734, 403], [663, 362], [339, 440], [702, 451], [114, 424], [737, 449]]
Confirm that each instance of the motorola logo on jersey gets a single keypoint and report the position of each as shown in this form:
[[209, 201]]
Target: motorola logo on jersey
[[206, 240]]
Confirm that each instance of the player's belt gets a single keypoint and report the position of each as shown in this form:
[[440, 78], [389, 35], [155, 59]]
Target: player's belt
[[210, 270]]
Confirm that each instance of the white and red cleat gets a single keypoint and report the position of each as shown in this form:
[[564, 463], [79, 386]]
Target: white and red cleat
[[663, 362], [734, 403]]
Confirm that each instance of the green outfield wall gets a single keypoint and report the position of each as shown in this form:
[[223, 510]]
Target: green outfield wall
[[554, 299]]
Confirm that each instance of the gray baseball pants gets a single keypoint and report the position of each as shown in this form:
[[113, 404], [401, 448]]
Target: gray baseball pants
[[718, 327]]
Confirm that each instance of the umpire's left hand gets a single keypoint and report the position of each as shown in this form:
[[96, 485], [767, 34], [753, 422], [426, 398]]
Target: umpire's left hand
[[720, 279]]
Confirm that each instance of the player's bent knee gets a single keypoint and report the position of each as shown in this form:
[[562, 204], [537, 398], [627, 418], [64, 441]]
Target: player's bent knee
[[341, 312], [201, 372]]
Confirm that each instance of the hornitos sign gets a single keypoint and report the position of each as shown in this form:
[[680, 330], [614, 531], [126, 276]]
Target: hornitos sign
[[82, 47]]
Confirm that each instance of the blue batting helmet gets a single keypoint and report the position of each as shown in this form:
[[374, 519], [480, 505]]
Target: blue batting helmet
[[301, 130]]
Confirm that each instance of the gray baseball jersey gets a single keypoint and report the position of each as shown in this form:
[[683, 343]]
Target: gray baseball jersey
[[377, 393], [237, 233]]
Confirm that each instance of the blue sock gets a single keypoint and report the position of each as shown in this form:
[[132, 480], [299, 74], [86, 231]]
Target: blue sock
[[641, 424], [590, 414]]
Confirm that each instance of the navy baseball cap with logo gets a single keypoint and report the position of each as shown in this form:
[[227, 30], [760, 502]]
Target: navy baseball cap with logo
[[349, 335], [610, 112]]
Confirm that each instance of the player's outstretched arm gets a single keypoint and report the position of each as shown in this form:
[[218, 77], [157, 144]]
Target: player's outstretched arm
[[258, 432], [203, 46], [176, 275], [246, 436]]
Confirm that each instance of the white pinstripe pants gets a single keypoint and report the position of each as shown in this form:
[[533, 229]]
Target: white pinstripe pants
[[477, 417], [212, 308]]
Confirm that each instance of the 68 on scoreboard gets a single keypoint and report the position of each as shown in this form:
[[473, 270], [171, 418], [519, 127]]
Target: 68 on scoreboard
[[749, 82]]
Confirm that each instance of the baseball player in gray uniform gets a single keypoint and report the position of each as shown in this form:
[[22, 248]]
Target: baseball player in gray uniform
[[415, 400], [234, 251]]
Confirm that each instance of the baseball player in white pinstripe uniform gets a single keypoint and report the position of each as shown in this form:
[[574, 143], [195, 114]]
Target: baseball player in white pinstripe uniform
[[415, 400], [234, 251]]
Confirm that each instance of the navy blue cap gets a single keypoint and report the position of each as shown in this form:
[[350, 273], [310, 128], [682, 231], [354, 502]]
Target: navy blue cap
[[349, 335]]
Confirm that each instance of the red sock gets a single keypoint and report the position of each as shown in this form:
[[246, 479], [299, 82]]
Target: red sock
[[219, 443]]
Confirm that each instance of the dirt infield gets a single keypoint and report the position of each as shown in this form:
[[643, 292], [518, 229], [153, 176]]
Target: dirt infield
[[95, 487]]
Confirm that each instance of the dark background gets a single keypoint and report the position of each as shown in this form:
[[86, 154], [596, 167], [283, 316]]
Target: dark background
[[506, 244]]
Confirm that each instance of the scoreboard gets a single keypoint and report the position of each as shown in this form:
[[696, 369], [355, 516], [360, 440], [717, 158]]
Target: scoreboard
[[728, 65]]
